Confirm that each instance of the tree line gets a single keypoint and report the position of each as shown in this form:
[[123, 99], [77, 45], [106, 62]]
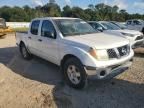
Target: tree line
[[93, 12]]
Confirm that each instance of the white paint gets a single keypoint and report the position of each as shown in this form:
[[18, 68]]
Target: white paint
[[18, 24], [54, 50]]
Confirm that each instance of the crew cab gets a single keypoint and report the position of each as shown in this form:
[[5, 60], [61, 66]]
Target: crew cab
[[136, 38], [77, 48], [135, 24]]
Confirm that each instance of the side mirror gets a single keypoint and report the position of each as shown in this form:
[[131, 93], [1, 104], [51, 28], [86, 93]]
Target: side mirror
[[50, 34], [100, 29]]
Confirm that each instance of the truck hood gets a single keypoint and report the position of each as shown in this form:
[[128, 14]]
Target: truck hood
[[132, 32], [97, 40]]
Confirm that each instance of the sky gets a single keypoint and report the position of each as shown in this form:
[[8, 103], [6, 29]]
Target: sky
[[132, 6]]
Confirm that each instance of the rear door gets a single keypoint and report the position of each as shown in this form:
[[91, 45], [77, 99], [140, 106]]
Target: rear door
[[48, 42], [33, 37]]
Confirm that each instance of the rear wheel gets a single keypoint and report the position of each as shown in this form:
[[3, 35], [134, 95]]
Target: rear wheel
[[24, 52], [75, 74]]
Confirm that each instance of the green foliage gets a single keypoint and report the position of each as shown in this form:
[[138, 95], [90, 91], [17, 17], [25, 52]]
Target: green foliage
[[93, 12], [67, 11], [78, 12], [51, 10]]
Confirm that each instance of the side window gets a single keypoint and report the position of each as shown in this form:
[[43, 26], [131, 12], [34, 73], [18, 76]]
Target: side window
[[129, 22], [95, 25], [48, 29], [92, 25], [136, 22], [35, 27]]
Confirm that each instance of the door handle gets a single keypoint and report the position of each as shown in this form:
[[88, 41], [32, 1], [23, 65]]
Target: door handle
[[29, 37], [39, 40]]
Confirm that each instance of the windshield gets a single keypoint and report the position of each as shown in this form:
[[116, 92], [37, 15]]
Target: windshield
[[71, 27], [110, 26]]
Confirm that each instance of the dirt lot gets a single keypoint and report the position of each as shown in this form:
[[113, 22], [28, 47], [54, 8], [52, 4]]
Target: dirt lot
[[38, 84]]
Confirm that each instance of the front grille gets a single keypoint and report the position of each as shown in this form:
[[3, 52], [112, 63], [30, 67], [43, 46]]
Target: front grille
[[139, 37], [124, 50], [111, 53], [118, 52]]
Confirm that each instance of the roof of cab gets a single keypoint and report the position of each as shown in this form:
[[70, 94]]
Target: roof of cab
[[44, 18], [91, 21], [97, 21]]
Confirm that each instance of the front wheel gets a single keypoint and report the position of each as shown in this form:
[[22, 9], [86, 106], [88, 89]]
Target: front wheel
[[75, 74]]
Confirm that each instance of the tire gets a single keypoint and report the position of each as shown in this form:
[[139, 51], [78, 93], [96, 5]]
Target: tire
[[74, 68], [143, 30], [24, 52]]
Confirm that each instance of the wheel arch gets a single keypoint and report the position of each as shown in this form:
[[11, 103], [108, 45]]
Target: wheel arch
[[66, 57], [22, 43]]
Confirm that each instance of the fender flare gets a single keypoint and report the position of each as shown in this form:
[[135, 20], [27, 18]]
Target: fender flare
[[80, 54]]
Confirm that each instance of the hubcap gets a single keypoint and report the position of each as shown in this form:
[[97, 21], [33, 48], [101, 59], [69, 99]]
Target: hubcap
[[24, 52], [73, 74]]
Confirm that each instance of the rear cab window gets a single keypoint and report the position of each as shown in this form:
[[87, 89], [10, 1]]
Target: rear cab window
[[35, 27]]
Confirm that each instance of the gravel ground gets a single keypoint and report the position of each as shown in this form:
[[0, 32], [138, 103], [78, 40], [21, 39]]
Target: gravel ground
[[38, 84]]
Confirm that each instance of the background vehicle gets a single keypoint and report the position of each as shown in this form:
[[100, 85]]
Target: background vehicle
[[77, 48], [136, 38], [3, 28], [135, 24], [122, 26]]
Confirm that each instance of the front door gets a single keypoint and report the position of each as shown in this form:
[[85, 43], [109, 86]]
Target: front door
[[48, 42]]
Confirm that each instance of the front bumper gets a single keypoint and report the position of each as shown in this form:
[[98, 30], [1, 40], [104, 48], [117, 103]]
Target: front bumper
[[108, 72]]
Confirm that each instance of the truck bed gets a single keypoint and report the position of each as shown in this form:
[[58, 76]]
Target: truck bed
[[21, 36], [25, 32]]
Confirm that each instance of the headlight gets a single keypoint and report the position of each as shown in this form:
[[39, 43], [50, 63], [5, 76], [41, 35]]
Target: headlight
[[100, 55], [127, 34]]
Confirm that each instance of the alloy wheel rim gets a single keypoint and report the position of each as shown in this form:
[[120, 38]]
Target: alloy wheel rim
[[73, 74]]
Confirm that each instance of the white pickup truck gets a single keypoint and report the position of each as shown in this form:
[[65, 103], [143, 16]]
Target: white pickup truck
[[135, 24], [77, 48]]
